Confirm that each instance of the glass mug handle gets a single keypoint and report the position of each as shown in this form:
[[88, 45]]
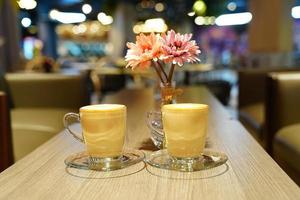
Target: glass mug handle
[[157, 135], [67, 125], [150, 122]]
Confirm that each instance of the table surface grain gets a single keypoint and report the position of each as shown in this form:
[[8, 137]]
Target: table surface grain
[[250, 173]]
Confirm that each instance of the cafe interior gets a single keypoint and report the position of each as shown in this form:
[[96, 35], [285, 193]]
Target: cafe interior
[[241, 57]]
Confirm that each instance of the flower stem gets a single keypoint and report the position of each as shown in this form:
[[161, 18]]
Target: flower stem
[[158, 73], [171, 72], [162, 69]]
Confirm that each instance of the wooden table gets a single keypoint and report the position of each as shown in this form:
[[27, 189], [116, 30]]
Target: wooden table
[[249, 174]]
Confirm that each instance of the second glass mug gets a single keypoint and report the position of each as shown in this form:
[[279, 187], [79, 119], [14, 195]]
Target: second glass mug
[[155, 124], [103, 130], [185, 127]]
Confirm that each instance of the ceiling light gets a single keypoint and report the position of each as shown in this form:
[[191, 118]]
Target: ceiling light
[[191, 14], [231, 6], [105, 19], [159, 7], [199, 20], [26, 22], [296, 12], [199, 7], [67, 17], [234, 19], [156, 25], [86, 8], [27, 4]]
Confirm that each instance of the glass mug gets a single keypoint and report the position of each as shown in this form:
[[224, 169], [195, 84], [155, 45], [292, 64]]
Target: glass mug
[[185, 128], [103, 129]]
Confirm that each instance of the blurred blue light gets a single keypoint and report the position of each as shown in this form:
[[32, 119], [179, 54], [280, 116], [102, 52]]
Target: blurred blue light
[[70, 1], [28, 46]]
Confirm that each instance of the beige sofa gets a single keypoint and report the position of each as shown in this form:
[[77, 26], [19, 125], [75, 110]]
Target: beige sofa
[[39, 104], [252, 95], [283, 121]]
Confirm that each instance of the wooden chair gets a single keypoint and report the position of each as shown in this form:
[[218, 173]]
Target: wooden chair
[[6, 154]]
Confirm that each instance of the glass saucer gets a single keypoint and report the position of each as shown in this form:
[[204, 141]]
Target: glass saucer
[[82, 160], [209, 159]]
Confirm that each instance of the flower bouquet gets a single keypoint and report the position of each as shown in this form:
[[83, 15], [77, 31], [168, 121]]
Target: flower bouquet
[[162, 52]]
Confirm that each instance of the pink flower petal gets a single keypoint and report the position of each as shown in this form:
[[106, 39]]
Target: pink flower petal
[[143, 51], [177, 48]]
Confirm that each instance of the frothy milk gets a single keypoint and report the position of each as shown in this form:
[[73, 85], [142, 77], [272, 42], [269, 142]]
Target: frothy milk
[[104, 128], [185, 127]]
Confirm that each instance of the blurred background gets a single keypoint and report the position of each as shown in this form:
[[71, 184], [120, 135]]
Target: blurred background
[[58, 55], [231, 34]]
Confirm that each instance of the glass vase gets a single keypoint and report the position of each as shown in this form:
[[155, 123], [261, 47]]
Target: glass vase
[[168, 94]]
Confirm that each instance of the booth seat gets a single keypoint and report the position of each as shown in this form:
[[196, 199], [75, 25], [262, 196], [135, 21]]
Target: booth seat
[[31, 127], [253, 116], [286, 150], [282, 131], [251, 98], [286, 145], [39, 102]]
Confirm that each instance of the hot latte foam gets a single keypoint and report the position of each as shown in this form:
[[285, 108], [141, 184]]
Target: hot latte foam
[[185, 127], [104, 129]]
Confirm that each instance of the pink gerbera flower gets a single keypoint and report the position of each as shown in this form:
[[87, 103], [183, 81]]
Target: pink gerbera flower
[[178, 49], [146, 49]]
